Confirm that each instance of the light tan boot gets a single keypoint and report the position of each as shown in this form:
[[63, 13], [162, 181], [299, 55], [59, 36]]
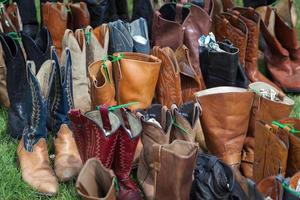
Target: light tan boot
[[35, 168], [67, 162]]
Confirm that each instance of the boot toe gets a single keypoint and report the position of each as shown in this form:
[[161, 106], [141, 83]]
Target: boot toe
[[67, 168], [48, 188]]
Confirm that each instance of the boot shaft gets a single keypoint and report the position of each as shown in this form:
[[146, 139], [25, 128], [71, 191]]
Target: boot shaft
[[79, 16]]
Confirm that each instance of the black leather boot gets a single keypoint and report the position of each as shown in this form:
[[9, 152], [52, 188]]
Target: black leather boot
[[99, 11], [17, 86]]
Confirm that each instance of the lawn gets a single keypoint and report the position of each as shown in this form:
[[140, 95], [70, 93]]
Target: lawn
[[11, 185]]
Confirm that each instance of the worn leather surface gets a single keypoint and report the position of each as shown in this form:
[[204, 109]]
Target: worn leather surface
[[102, 87], [28, 15], [99, 11], [93, 173], [77, 45], [3, 72], [6, 22], [136, 77], [35, 168], [268, 187], [79, 17], [14, 15]]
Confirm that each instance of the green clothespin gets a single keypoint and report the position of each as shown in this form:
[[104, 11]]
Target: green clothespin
[[15, 36], [116, 185], [112, 108], [87, 37], [282, 126], [113, 59], [187, 5], [116, 58], [105, 70]]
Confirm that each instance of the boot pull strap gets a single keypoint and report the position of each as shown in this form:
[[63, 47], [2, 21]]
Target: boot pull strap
[[125, 118], [76, 117], [178, 17], [105, 118], [267, 16]]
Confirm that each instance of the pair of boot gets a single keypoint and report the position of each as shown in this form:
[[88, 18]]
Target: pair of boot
[[57, 17], [177, 81], [49, 100], [111, 137], [282, 52], [165, 166], [135, 79]]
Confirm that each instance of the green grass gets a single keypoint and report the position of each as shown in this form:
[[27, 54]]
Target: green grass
[[11, 185]]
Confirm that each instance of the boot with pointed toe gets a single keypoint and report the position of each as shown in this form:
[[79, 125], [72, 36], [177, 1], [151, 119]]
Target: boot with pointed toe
[[79, 16]]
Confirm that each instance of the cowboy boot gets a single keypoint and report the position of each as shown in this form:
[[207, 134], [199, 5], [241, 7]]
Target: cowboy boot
[[257, 3], [266, 109], [55, 18], [271, 151], [157, 123], [96, 182], [18, 91], [32, 149], [28, 13], [168, 88], [14, 15], [128, 138], [96, 43], [136, 76], [79, 17], [293, 162], [6, 24], [3, 71], [122, 9], [268, 187], [67, 163], [277, 58], [102, 84], [38, 49], [76, 43], [99, 11]]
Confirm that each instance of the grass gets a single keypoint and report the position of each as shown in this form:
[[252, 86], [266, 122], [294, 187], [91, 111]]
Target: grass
[[11, 185]]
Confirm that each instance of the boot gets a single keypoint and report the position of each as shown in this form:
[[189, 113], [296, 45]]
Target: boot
[[265, 109], [172, 169], [76, 43], [38, 49], [3, 71], [277, 58], [99, 11], [271, 151], [294, 180], [96, 182], [268, 187], [227, 4], [18, 91], [97, 43], [128, 138], [102, 84], [122, 9], [67, 163], [136, 76], [168, 88], [14, 15], [32, 150], [79, 17], [55, 18], [157, 123], [293, 162], [6, 24]]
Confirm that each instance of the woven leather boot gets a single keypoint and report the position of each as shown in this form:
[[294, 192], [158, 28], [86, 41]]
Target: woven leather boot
[[32, 150], [262, 109], [136, 76], [79, 16]]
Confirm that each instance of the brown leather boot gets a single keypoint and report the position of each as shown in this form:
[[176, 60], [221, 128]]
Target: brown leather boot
[[271, 151], [55, 18], [262, 109], [96, 182], [35, 167], [67, 163], [168, 88], [294, 180], [3, 91], [102, 84], [136, 76], [79, 16], [14, 15]]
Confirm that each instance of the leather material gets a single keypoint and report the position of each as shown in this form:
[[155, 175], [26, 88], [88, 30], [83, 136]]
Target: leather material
[[271, 151], [267, 111], [28, 16], [93, 173], [77, 45], [154, 132], [99, 11], [6, 22], [4, 100], [79, 17], [172, 164], [136, 76], [214, 180], [35, 168], [97, 45], [268, 187], [102, 84], [55, 18], [15, 17], [18, 92]]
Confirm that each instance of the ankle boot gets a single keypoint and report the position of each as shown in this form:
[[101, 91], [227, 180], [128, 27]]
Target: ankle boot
[[293, 162], [76, 43], [14, 15], [271, 151], [38, 49], [102, 84], [128, 138], [277, 58], [264, 109], [157, 123], [32, 150], [79, 16], [136, 76], [18, 91], [3, 73], [99, 11], [168, 88], [55, 18], [97, 43], [96, 182], [172, 169]]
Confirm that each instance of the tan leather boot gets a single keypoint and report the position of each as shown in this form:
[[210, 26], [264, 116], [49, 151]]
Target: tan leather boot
[[35, 168], [3, 91], [67, 163], [102, 84], [136, 76]]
